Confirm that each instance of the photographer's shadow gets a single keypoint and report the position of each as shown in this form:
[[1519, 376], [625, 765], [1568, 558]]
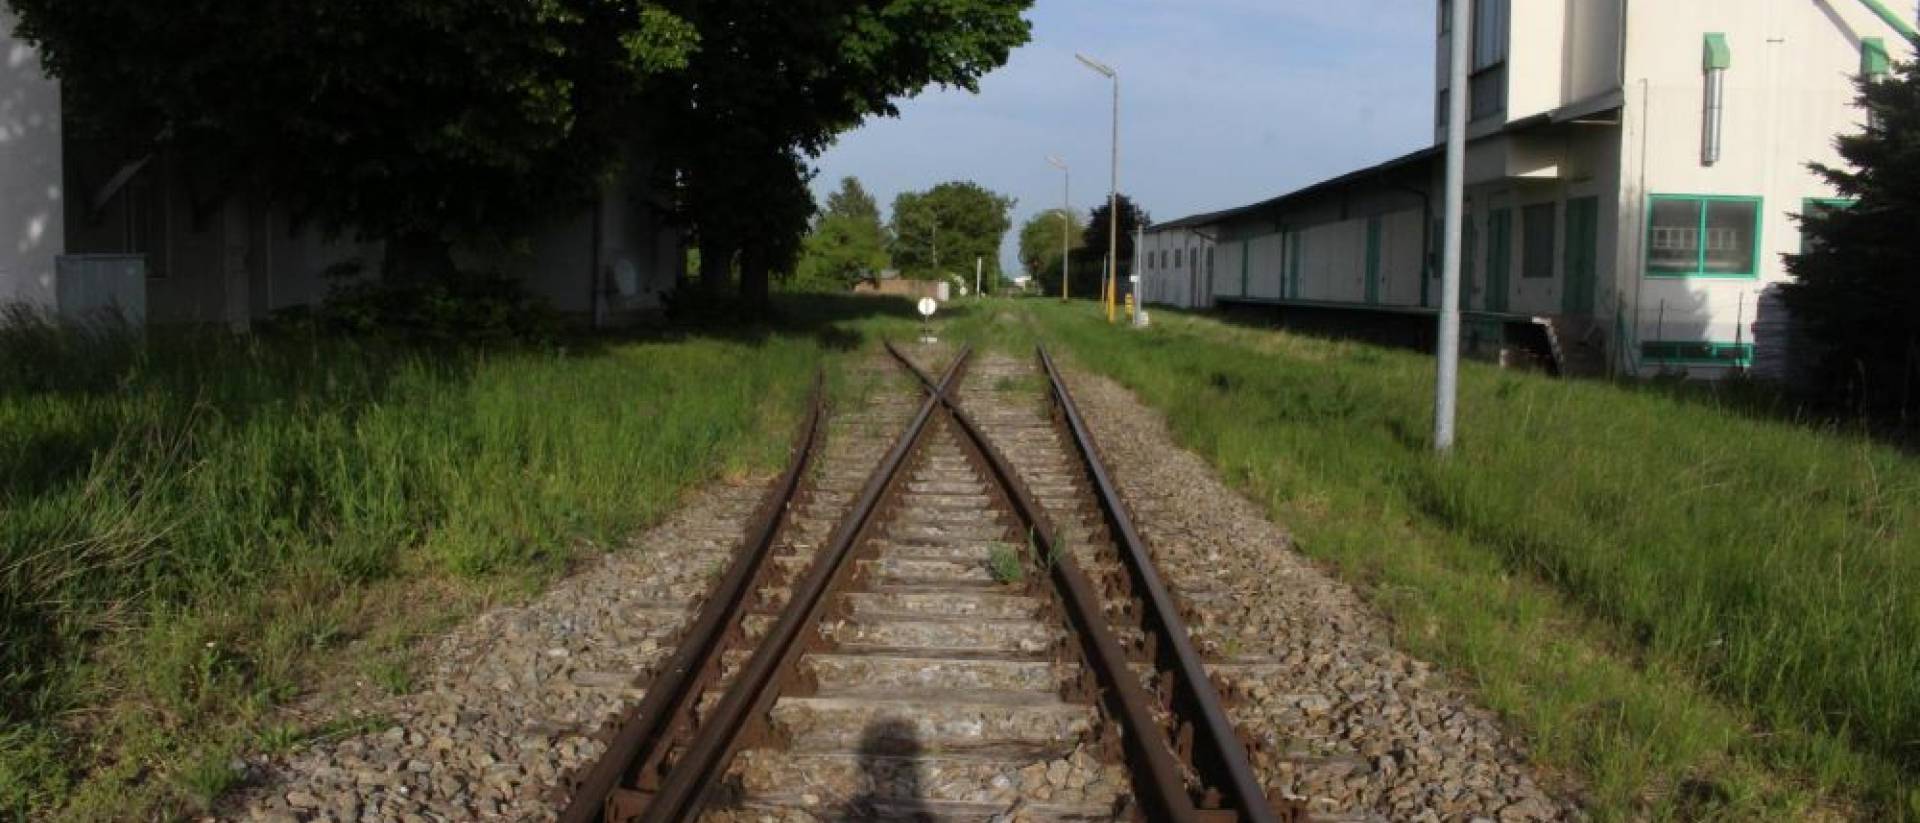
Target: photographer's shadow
[[890, 770]]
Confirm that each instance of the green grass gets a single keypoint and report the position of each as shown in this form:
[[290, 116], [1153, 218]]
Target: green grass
[[193, 529], [1696, 611], [1004, 562]]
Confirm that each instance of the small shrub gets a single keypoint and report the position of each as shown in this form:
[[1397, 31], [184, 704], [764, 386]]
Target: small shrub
[[392, 676], [281, 738], [1005, 564], [463, 308], [204, 778]]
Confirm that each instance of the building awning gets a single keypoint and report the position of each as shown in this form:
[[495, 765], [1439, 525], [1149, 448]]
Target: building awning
[[1605, 103]]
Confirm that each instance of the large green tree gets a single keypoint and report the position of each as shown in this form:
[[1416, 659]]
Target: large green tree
[[1857, 287], [779, 78], [942, 231], [419, 122], [1100, 222], [848, 242], [852, 200], [1044, 240]]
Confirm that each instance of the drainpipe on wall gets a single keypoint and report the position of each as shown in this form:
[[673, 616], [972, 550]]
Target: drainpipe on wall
[[1906, 29], [1875, 64]]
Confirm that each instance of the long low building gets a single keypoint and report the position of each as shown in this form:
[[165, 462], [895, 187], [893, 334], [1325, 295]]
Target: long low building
[[1634, 177]]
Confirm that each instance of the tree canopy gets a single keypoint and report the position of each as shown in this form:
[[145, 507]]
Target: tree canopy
[[851, 200], [848, 241], [1042, 246], [783, 77], [423, 119], [943, 230], [1099, 222], [424, 122], [1857, 288]]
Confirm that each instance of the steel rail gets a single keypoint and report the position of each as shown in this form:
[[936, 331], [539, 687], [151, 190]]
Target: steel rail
[[708, 756], [641, 742], [1219, 755], [1158, 780]]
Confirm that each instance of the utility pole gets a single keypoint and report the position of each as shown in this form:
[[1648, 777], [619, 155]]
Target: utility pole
[[979, 264], [1447, 370]]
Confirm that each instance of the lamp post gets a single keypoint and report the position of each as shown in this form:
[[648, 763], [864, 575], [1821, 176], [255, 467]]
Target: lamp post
[[1113, 196], [1066, 223]]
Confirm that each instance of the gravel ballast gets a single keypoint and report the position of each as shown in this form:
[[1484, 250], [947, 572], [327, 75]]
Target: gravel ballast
[[509, 703], [1340, 718]]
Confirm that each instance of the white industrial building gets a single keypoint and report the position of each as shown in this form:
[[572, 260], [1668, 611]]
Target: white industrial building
[[89, 226], [1634, 173]]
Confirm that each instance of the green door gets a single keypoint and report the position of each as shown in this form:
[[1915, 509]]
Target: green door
[[1583, 254], [1499, 258]]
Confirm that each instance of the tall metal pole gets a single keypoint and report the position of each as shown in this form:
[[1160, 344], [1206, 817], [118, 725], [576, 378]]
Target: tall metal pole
[[1066, 234], [1066, 224], [979, 264], [1113, 195], [1447, 378], [1113, 208]]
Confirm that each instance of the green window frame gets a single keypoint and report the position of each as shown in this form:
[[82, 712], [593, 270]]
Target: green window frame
[[1699, 269], [1696, 353]]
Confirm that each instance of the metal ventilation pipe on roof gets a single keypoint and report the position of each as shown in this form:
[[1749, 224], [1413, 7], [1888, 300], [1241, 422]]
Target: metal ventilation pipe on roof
[[1716, 110], [1718, 60]]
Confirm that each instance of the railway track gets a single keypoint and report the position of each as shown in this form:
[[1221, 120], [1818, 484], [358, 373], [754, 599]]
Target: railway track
[[919, 628]]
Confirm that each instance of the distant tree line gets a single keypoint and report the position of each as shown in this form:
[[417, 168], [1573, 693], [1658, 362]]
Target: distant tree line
[[427, 123], [935, 234], [1040, 247]]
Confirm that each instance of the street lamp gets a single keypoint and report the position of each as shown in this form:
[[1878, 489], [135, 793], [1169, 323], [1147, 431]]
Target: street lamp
[[1113, 196], [1066, 223]]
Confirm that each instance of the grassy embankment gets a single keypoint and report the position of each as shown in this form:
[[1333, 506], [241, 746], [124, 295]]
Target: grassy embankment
[[190, 529], [1699, 612]]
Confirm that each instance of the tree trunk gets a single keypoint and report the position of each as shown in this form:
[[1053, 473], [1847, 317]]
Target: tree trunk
[[716, 266], [755, 285], [417, 258]]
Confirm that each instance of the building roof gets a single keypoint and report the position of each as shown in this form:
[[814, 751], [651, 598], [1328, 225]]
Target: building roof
[[1577, 111], [1210, 218]]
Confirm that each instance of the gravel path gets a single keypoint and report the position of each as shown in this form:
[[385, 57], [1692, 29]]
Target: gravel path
[[508, 703], [1360, 730]]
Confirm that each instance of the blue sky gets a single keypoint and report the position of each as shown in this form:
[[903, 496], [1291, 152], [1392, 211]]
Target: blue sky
[[1225, 102]]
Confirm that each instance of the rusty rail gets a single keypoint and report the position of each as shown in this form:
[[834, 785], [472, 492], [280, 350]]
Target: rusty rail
[[1158, 781], [637, 751], [635, 781], [1218, 755], [708, 756]]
